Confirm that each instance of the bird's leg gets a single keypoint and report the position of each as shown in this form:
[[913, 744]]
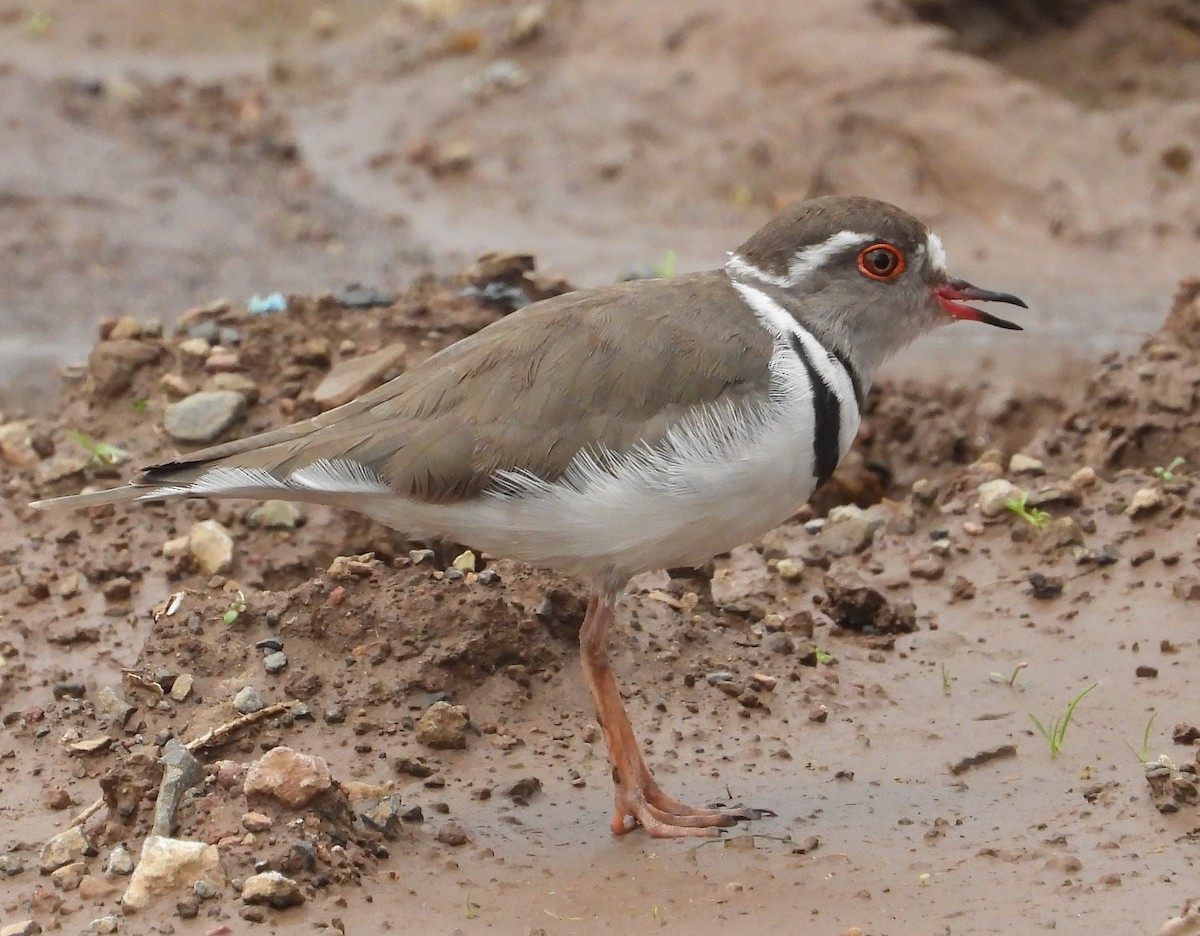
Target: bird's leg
[[639, 800]]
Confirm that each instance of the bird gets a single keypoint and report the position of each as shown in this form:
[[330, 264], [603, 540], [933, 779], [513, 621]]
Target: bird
[[617, 430]]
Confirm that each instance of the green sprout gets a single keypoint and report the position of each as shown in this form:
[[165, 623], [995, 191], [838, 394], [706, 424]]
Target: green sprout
[[1011, 680], [1168, 473], [1145, 755], [139, 405], [40, 24], [824, 656], [666, 268], [1038, 519], [236, 608], [1057, 732], [472, 908], [945, 679], [103, 453]]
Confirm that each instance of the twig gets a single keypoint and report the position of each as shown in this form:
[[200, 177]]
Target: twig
[[208, 739]]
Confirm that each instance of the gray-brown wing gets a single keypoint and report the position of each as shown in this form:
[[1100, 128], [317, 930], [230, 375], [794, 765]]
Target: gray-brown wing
[[598, 369]]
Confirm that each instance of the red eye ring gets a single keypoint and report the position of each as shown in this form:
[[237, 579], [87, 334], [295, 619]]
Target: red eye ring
[[881, 262]]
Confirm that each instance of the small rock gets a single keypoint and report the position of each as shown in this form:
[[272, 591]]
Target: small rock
[[181, 771], [1185, 734], [1146, 672], [11, 865], [789, 569], [257, 822], [104, 924], [288, 776], [1045, 587], [354, 377], [237, 383], [1067, 864], [524, 790], [1021, 463], [275, 662], [276, 515], [211, 546], [203, 416], [929, 568], [120, 862], [1145, 501], [168, 865], [182, 687], [117, 589], [112, 364], [21, 928], [994, 495], [272, 889], [383, 814], [1084, 478], [197, 346], [69, 689], [847, 536], [465, 562], [222, 361], [68, 846], [855, 605], [67, 877], [247, 700], [442, 726], [452, 834], [1186, 587], [57, 798]]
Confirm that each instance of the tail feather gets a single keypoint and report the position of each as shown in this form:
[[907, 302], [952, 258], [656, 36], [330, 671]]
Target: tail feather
[[121, 495]]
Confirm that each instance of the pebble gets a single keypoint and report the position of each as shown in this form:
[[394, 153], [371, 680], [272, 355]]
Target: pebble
[[257, 822], [222, 360], [67, 877], [1146, 672], [195, 346], [22, 928], [238, 383], [182, 687], [352, 378], [1145, 501], [203, 416], [383, 814], [169, 864], [790, 570], [452, 834], [112, 364], [994, 495], [69, 689], [929, 568], [120, 862], [443, 726], [1186, 587], [272, 889], [11, 865], [1045, 587], [275, 662], [68, 846], [104, 924], [1084, 478], [1021, 463], [845, 537], [465, 562], [276, 515], [248, 700], [211, 546], [291, 777]]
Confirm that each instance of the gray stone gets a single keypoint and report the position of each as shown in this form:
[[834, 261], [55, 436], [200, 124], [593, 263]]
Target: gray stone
[[382, 814], [443, 726], [11, 865], [845, 537], [203, 416], [211, 546], [104, 924], [69, 845], [272, 889], [182, 687], [275, 662], [67, 877], [112, 707], [22, 928], [248, 700], [181, 772]]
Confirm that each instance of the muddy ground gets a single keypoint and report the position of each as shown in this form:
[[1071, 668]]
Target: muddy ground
[[872, 679]]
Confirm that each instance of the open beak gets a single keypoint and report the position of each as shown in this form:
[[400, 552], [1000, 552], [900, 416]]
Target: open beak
[[955, 289]]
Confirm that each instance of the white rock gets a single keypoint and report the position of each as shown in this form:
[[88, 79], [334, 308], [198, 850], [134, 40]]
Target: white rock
[[273, 889], [993, 495], [1021, 463], [169, 865], [211, 546]]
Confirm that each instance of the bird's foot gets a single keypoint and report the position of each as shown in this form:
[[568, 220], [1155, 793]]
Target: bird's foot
[[663, 816]]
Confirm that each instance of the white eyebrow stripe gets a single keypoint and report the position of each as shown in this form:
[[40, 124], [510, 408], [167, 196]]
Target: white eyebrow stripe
[[937, 253], [811, 258], [803, 262]]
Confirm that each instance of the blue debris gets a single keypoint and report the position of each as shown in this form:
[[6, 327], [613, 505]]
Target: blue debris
[[266, 305]]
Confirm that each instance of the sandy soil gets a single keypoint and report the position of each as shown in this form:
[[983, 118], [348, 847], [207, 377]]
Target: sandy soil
[[154, 160]]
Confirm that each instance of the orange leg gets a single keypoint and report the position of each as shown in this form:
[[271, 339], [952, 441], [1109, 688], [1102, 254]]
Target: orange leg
[[639, 801]]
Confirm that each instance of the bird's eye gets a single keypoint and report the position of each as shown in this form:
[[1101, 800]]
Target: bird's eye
[[881, 261]]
